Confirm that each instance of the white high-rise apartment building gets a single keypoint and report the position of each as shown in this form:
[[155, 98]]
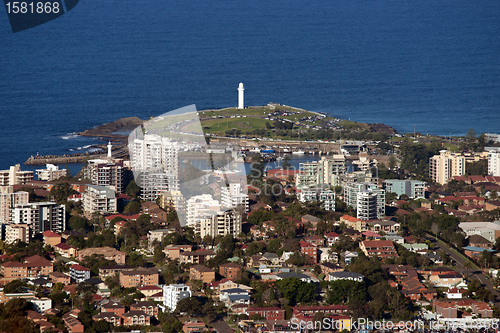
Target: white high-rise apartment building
[[367, 205], [199, 207], [446, 165], [351, 191], [51, 172], [9, 199], [318, 194], [233, 196], [40, 216], [328, 170], [173, 293], [494, 163], [99, 199], [221, 223], [106, 172], [154, 160]]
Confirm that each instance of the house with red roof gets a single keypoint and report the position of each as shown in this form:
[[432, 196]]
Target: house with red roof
[[66, 250], [331, 237], [454, 293], [370, 234], [315, 240], [149, 290], [281, 174], [270, 313], [51, 238], [461, 308], [354, 223]]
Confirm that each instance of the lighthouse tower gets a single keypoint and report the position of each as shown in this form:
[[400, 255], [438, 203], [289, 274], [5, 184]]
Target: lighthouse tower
[[241, 96], [109, 149]]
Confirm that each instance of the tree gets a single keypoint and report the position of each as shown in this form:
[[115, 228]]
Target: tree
[[391, 164], [298, 259], [296, 291], [189, 305], [471, 134], [133, 207], [60, 192], [286, 162], [15, 286], [132, 189], [346, 291]]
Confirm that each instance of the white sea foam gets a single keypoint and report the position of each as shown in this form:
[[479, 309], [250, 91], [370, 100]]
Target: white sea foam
[[69, 136]]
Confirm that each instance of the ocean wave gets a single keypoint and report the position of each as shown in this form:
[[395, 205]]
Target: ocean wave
[[83, 147], [70, 136]]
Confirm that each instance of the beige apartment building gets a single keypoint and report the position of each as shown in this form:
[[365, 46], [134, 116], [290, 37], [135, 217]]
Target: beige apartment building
[[139, 277], [220, 224], [15, 232], [446, 165], [15, 176], [31, 267], [106, 251]]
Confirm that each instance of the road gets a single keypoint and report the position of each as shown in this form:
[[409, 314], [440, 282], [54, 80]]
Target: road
[[460, 263]]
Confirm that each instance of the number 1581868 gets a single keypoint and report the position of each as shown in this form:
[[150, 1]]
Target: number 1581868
[[23, 7]]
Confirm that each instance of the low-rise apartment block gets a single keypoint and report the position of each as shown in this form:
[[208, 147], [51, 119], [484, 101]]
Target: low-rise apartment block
[[202, 273], [31, 267], [106, 251], [79, 273], [139, 277], [381, 248], [230, 271]]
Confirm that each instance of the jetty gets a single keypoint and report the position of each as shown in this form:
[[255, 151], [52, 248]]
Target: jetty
[[120, 152]]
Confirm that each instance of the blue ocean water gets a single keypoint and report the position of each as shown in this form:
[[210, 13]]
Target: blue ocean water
[[429, 65]]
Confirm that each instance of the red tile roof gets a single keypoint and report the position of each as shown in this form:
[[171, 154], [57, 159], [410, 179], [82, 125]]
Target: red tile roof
[[49, 233], [77, 267]]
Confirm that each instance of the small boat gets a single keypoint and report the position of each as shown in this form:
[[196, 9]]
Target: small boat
[[298, 152]]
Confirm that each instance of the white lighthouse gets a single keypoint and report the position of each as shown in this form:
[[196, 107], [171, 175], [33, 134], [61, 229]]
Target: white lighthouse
[[109, 149], [241, 96]]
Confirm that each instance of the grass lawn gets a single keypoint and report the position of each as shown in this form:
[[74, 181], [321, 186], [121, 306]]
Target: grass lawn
[[222, 125]]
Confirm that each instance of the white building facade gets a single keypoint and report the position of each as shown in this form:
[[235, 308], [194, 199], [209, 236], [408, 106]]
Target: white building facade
[[314, 194], [233, 196], [99, 199], [154, 160], [40, 216], [199, 207], [351, 191], [494, 163], [51, 172], [173, 293]]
